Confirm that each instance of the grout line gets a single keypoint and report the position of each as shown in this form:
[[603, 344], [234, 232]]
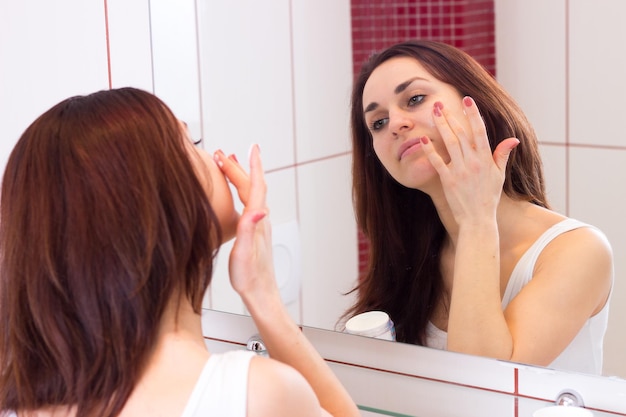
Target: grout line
[[295, 142], [199, 65], [108, 42], [151, 46], [310, 161], [567, 111]]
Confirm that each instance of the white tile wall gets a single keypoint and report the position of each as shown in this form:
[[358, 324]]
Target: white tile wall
[[175, 60], [236, 81], [555, 172], [531, 61], [247, 78], [564, 63], [280, 81], [596, 70], [130, 43], [329, 252], [322, 62], [597, 197], [48, 52]]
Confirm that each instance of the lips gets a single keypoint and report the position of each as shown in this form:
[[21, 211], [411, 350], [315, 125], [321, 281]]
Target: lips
[[406, 146]]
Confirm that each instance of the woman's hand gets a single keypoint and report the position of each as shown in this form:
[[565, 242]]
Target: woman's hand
[[251, 263], [472, 181], [473, 178], [252, 276]]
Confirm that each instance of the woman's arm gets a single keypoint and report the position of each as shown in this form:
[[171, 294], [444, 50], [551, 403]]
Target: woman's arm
[[571, 283], [472, 180], [252, 276], [572, 277]]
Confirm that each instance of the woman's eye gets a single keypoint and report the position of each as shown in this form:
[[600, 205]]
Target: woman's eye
[[416, 99], [378, 124]]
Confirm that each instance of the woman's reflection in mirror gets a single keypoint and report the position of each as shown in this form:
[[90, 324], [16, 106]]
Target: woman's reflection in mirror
[[465, 251]]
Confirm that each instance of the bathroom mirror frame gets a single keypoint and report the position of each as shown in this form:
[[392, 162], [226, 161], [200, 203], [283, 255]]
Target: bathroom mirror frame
[[415, 383]]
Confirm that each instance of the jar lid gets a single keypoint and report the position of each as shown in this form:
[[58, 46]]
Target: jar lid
[[368, 323]]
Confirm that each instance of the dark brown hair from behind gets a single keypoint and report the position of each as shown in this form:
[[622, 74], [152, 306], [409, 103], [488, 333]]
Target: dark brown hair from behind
[[103, 219], [403, 277]]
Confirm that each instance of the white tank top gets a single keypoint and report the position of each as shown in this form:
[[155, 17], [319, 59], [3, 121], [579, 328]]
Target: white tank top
[[222, 388], [584, 353]]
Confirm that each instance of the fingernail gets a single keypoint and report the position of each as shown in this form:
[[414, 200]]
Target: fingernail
[[468, 101], [257, 217], [233, 157], [437, 108], [425, 140], [252, 147], [217, 157]]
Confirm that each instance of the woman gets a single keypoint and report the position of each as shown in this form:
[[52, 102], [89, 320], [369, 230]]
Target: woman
[[110, 222], [465, 253]]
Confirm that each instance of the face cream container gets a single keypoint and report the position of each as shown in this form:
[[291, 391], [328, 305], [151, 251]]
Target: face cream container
[[376, 324]]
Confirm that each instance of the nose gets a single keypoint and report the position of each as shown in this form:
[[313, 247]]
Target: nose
[[399, 122]]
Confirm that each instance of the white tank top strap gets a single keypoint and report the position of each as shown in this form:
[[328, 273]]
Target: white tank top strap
[[523, 271], [222, 389]]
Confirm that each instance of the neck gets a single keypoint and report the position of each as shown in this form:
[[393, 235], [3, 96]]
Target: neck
[[180, 324]]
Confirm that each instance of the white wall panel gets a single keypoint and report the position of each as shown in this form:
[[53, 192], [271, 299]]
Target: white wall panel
[[130, 43], [598, 198], [597, 68], [322, 60], [48, 51], [329, 247], [555, 174], [281, 200], [531, 60], [245, 53], [175, 60]]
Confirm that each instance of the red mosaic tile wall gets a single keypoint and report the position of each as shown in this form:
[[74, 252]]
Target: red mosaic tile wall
[[466, 24]]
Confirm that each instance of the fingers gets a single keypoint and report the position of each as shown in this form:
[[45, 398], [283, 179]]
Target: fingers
[[477, 125], [235, 174], [465, 139], [503, 151], [452, 133], [258, 188], [250, 187]]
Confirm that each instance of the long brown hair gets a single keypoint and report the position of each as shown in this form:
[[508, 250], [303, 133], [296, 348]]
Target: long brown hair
[[103, 219], [403, 276]]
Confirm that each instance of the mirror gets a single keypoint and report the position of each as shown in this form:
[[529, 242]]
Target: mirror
[[288, 89]]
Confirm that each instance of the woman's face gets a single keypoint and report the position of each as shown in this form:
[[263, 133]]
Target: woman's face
[[216, 186], [398, 100]]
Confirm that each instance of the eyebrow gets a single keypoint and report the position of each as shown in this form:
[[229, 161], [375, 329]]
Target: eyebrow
[[400, 88]]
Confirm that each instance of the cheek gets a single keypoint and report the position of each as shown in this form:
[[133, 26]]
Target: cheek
[[383, 151]]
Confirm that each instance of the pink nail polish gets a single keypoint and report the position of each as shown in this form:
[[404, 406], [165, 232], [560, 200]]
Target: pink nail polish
[[425, 140], [468, 101], [437, 108]]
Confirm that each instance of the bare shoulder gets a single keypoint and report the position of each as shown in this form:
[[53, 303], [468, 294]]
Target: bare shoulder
[[583, 257], [589, 243], [279, 390]]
